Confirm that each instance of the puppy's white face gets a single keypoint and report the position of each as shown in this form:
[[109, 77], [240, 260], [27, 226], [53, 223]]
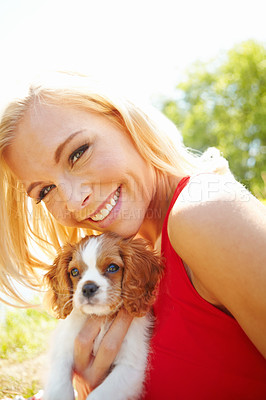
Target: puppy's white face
[[96, 271], [101, 273]]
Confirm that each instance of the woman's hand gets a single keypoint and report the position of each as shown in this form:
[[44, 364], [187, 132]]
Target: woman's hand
[[91, 370]]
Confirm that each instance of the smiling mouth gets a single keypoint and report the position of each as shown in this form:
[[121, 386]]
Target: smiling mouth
[[105, 211]]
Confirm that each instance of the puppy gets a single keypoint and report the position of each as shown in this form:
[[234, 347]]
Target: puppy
[[98, 276]]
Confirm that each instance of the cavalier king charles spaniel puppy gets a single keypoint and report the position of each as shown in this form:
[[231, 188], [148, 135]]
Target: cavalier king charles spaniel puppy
[[98, 276]]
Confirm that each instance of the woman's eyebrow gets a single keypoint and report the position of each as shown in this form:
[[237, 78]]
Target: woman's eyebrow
[[62, 145]]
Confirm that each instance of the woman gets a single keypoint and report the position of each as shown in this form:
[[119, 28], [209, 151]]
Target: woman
[[65, 150]]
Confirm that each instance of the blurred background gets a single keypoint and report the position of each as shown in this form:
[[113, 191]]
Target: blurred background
[[203, 63]]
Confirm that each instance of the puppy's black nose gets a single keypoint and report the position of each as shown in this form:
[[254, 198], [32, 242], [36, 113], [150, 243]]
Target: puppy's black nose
[[89, 289]]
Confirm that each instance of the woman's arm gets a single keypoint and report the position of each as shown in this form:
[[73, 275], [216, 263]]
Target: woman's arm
[[219, 230], [91, 371]]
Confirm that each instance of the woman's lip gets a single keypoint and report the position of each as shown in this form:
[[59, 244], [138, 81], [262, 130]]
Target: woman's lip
[[104, 223], [103, 205]]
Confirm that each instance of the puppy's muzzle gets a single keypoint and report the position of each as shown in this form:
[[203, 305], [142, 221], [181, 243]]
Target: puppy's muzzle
[[89, 289]]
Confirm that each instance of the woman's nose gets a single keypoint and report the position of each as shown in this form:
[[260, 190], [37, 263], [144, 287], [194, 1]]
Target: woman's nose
[[75, 195]]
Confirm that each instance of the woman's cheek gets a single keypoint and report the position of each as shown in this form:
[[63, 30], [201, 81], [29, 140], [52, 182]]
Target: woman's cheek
[[60, 212]]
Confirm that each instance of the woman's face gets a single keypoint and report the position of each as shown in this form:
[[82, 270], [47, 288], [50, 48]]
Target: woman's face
[[83, 167]]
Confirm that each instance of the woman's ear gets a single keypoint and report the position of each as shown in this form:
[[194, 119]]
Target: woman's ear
[[60, 293], [143, 269]]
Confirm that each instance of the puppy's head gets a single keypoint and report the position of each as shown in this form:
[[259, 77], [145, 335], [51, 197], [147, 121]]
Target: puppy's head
[[102, 273]]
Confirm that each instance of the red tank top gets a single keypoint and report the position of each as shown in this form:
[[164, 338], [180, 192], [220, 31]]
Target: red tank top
[[197, 351]]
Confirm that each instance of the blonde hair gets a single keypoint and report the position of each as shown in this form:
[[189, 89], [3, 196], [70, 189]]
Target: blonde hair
[[26, 228]]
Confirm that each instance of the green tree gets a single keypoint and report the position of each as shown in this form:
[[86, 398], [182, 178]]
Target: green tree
[[223, 104]]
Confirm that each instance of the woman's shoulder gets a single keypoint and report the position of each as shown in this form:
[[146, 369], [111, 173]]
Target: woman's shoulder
[[210, 205], [208, 191], [207, 187]]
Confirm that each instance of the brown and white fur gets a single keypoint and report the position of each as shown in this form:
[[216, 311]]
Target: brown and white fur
[[109, 273]]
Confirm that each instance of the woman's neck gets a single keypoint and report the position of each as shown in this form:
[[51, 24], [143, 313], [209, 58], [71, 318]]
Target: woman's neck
[[153, 222]]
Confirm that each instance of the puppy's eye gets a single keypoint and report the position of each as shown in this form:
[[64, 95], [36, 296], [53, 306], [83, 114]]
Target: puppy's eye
[[74, 272], [112, 268]]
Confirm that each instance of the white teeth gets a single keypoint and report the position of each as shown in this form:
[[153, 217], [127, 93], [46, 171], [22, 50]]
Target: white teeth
[[108, 207], [97, 217], [105, 212]]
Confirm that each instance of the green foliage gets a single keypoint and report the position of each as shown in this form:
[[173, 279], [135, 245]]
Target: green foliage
[[223, 104], [24, 334]]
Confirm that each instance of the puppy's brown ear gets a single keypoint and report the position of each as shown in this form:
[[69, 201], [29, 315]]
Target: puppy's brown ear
[[60, 293], [143, 270]]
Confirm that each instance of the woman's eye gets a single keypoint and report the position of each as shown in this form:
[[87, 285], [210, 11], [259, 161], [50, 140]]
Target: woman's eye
[[77, 154], [74, 272], [112, 268], [44, 192]]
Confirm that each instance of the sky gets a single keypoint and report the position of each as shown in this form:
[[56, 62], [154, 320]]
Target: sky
[[142, 46]]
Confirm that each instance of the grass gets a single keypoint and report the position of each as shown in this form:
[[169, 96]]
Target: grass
[[24, 334], [24, 338], [13, 387]]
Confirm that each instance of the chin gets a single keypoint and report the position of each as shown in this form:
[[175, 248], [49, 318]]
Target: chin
[[98, 276]]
